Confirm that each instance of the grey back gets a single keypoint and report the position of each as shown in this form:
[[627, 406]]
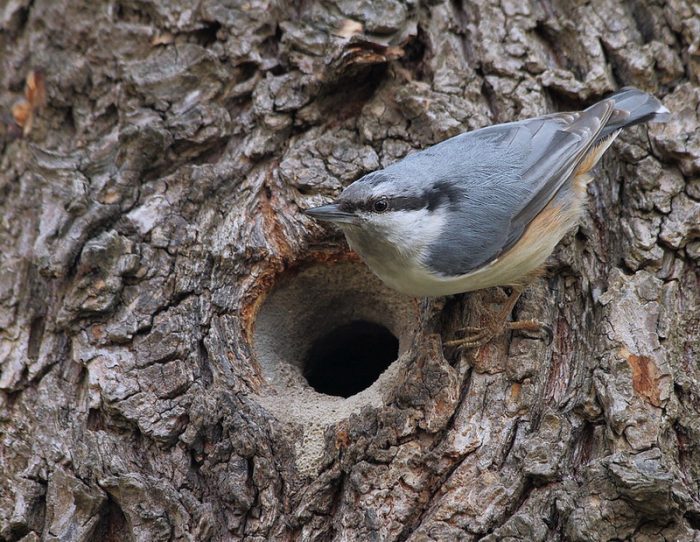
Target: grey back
[[494, 181]]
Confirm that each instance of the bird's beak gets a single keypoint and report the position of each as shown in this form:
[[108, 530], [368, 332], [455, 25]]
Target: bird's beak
[[331, 213]]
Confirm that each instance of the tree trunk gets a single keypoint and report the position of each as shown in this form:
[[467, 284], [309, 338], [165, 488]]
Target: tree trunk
[[186, 356]]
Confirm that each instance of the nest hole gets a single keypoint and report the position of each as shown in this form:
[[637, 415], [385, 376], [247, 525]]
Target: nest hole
[[331, 330], [350, 358]]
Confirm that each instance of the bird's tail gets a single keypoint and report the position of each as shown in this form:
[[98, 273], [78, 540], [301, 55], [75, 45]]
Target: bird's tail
[[633, 106]]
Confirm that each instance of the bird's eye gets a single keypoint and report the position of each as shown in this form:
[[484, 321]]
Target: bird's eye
[[381, 205]]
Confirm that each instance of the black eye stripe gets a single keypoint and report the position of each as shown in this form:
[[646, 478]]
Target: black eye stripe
[[407, 203], [347, 206], [399, 203]]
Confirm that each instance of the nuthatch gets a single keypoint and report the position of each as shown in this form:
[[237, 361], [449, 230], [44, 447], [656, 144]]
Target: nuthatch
[[484, 208]]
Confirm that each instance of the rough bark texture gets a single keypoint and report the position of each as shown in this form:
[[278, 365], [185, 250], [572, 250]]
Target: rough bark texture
[[157, 200]]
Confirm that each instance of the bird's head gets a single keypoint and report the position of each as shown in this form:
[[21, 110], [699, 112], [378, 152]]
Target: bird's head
[[391, 209]]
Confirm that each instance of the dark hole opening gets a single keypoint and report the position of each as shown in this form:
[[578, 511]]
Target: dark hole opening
[[350, 358]]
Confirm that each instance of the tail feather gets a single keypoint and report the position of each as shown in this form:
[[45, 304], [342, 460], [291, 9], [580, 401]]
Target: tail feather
[[633, 106]]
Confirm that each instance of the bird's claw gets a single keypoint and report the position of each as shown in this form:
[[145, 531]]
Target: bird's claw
[[533, 326], [479, 336]]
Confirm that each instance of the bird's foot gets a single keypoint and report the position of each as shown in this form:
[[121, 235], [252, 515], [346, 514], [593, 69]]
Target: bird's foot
[[533, 326], [479, 336]]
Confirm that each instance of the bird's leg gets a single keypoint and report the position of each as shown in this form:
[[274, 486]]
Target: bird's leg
[[499, 324], [496, 325]]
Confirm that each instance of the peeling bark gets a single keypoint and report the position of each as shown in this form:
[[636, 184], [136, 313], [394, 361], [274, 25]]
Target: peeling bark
[[154, 209]]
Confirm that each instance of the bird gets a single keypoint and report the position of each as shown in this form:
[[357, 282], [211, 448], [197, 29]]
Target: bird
[[484, 208]]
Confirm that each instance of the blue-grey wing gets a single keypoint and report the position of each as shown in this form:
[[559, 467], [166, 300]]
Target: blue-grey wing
[[497, 180], [556, 157]]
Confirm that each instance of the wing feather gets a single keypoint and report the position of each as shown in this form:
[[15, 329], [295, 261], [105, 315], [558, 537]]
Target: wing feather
[[556, 158]]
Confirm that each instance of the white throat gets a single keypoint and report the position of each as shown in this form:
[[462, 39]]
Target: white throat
[[394, 245]]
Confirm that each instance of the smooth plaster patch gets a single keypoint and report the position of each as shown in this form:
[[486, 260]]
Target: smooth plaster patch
[[301, 310]]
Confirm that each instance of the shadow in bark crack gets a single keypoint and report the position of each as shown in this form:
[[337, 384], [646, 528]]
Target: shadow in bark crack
[[113, 526]]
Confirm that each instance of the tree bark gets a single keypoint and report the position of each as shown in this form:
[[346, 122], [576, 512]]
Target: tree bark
[[160, 289]]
